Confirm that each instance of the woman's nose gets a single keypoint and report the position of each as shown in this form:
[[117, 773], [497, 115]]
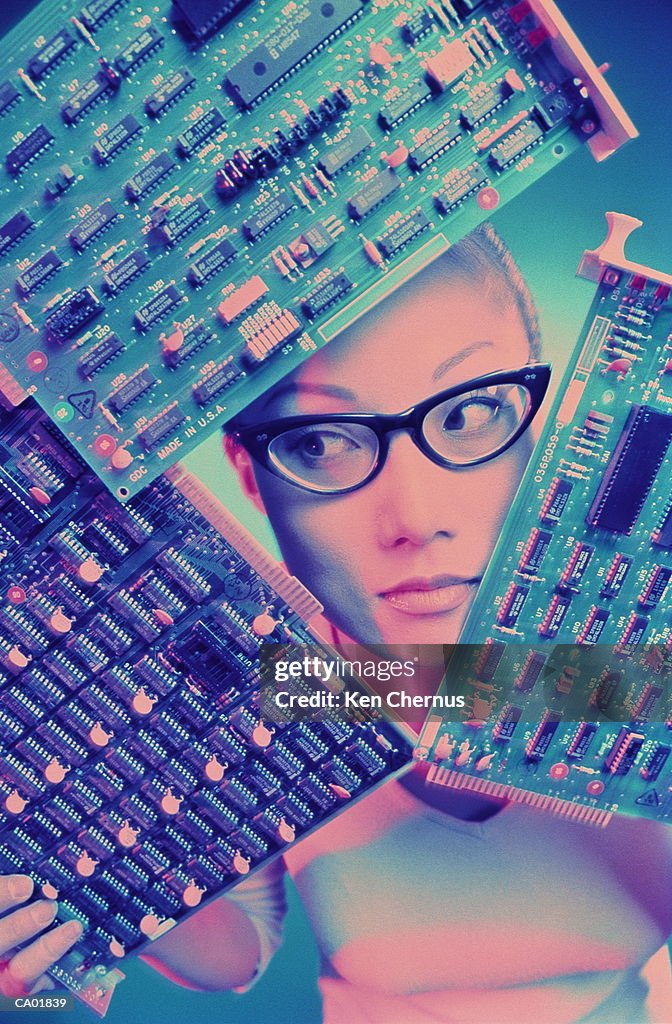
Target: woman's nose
[[417, 499]]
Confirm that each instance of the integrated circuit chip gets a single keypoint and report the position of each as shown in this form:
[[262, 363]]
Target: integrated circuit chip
[[170, 90], [378, 188], [265, 216], [285, 48], [14, 229], [183, 219], [180, 346], [29, 147], [9, 95], [328, 291], [402, 232], [211, 262], [157, 308], [34, 276], [72, 314], [149, 176], [403, 104], [91, 224], [337, 157], [99, 355], [138, 49], [161, 427], [203, 17], [483, 101], [513, 145], [50, 54], [88, 94], [193, 137], [216, 381], [131, 390], [457, 185], [433, 145], [631, 470], [117, 277], [98, 11], [115, 138]]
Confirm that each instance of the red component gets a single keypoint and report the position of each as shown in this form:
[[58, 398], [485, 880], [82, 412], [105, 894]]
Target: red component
[[488, 198], [668, 366], [397, 157], [104, 445], [662, 294], [559, 770], [595, 787], [237, 301], [638, 283], [620, 366], [16, 595], [520, 12], [537, 36], [36, 361]]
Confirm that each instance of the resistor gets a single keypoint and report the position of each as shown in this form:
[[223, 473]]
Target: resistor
[[372, 252], [24, 318], [30, 85], [107, 415], [494, 35], [440, 16], [289, 259], [325, 182], [300, 196], [279, 264], [310, 188], [85, 34], [447, 6]]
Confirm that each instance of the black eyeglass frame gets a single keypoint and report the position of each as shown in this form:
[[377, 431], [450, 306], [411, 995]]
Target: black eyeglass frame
[[257, 438]]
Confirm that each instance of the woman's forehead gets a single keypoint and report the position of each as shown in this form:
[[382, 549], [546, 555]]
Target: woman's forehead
[[433, 335]]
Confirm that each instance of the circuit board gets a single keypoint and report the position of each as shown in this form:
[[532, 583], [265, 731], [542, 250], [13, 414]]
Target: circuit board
[[195, 198], [581, 578], [138, 777]]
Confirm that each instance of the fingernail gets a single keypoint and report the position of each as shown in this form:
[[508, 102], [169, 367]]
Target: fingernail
[[72, 930], [20, 887], [44, 912]]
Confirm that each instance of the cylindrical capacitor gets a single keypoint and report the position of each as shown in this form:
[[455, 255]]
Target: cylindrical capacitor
[[224, 186], [242, 162], [234, 174]]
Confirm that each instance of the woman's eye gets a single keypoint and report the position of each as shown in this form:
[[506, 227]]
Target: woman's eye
[[324, 444], [472, 414]]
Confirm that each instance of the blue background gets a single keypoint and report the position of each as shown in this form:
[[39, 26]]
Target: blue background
[[547, 228]]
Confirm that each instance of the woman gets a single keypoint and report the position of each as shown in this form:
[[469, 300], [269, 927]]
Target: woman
[[428, 905]]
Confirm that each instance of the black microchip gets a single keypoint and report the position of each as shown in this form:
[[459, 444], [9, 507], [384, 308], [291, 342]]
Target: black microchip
[[184, 219], [86, 96], [484, 100], [403, 232], [158, 306], [211, 262], [149, 176], [662, 535], [29, 147], [631, 470], [203, 17], [514, 144], [164, 424], [138, 49], [100, 355], [457, 185], [285, 47], [374, 192], [193, 340], [440, 140], [50, 54], [170, 90], [403, 104], [325, 293], [417, 25], [340, 154], [34, 276], [98, 11], [266, 215], [131, 390], [14, 229], [72, 314], [217, 381], [9, 95], [92, 224], [125, 271], [200, 131], [115, 138]]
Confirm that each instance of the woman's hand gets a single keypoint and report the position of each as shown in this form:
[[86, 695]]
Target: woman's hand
[[22, 971]]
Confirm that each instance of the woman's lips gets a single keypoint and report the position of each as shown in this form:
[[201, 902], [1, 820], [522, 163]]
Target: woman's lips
[[431, 596]]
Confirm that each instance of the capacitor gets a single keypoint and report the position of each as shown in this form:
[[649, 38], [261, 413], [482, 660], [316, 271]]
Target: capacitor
[[397, 157], [234, 174], [242, 162], [619, 366], [372, 251], [224, 186]]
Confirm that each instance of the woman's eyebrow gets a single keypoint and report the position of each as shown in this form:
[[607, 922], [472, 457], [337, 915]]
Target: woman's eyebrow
[[459, 357], [305, 388]]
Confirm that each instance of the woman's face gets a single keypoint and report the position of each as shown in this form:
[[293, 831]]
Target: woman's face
[[399, 560]]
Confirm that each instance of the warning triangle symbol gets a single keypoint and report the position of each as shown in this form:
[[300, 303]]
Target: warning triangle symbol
[[83, 402], [648, 799]]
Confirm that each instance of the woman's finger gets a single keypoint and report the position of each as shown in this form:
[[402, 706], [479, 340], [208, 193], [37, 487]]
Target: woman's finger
[[29, 963], [14, 889], [22, 924]]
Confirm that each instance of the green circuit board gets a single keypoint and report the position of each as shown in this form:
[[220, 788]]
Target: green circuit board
[[196, 197], [568, 647]]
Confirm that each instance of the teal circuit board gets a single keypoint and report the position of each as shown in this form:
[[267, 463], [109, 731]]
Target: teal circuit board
[[138, 779], [567, 651], [194, 197]]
